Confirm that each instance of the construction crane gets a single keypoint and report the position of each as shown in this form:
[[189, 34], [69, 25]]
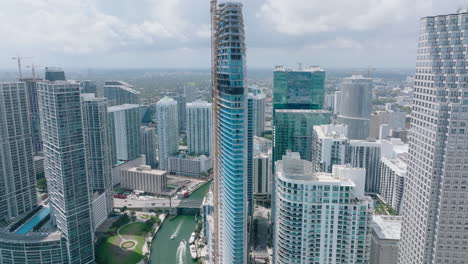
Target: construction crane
[[33, 70], [18, 58]]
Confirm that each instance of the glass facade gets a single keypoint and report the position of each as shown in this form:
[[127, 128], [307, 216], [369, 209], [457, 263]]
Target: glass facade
[[231, 136], [293, 131], [120, 93]]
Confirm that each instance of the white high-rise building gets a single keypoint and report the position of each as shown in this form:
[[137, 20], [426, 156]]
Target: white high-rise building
[[329, 101], [257, 105], [99, 153], [435, 207], [337, 102], [366, 154], [199, 127], [393, 172], [125, 128], [329, 145], [66, 167], [320, 217], [356, 106], [17, 177], [168, 135]]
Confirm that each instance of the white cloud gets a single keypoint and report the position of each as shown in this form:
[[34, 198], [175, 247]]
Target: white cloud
[[296, 17]]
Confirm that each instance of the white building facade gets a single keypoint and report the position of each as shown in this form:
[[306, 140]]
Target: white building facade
[[199, 127], [329, 146], [168, 131], [143, 178]]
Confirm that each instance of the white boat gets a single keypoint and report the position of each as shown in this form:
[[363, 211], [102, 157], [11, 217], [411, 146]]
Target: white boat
[[193, 251], [192, 238], [173, 236]]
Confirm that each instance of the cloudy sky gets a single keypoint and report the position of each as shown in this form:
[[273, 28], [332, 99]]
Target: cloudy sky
[[175, 33]]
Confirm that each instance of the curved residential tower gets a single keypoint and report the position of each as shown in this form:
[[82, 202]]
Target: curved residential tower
[[230, 128]]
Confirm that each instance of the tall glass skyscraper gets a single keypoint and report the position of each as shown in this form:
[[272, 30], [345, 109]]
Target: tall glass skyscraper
[[66, 168], [435, 207], [17, 179], [230, 128], [168, 130], [119, 93]]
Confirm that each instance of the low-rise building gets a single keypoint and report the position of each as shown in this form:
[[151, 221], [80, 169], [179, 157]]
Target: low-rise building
[[121, 166], [143, 178], [385, 239], [192, 166]]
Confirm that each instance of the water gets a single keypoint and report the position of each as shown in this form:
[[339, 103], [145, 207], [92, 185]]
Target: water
[[165, 250], [181, 252], [33, 221]]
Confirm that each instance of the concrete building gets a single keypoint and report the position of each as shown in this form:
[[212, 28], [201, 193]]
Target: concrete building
[[35, 120], [257, 105], [54, 74], [149, 145], [393, 172], [385, 239], [66, 168], [182, 112], [320, 217], [168, 135], [125, 129], [356, 106], [329, 101], [337, 103], [98, 151], [329, 146], [17, 177], [192, 166], [143, 178], [119, 93], [366, 154], [125, 165], [262, 177], [435, 210], [262, 145], [293, 131], [394, 119], [39, 165], [199, 128], [230, 135]]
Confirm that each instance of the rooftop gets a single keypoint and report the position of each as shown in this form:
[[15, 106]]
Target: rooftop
[[199, 103], [122, 85], [147, 170], [166, 100], [116, 108], [302, 111], [387, 227], [299, 69], [332, 131]]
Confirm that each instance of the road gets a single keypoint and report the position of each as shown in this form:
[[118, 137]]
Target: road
[[157, 203]]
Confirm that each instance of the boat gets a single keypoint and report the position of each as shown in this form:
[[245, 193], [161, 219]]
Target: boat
[[173, 236], [193, 251], [192, 238]]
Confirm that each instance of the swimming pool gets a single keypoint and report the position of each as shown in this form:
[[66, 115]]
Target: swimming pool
[[28, 226]]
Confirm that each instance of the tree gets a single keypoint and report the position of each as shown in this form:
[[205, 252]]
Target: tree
[[123, 209], [42, 185]]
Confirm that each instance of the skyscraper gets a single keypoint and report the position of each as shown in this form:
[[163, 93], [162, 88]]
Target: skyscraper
[[303, 88], [66, 171], [199, 127], [168, 131], [98, 147], [356, 106], [149, 145], [435, 208], [230, 132], [366, 154], [33, 106], [329, 146], [54, 74], [88, 87], [182, 112], [257, 106], [320, 217], [125, 128], [293, 131], [17, 178], [119, 93]]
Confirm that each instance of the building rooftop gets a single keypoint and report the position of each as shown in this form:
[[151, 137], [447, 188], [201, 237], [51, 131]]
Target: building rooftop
[[147, 170], [300, 69], [387, 227], [301, 111], [122, 85], [166, 100], [332, 131], [199, 103], [116, 108]]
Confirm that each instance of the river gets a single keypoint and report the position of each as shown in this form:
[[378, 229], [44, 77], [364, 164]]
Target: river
[[175, 251]]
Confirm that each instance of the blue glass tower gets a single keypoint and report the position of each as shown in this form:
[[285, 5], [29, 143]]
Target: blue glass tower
[[230, 110]]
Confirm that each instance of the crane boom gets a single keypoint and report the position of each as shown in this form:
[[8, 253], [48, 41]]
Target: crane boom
[[18, 58]]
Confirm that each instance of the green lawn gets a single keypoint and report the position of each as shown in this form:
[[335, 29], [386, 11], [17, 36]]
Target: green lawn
[[111, 252]]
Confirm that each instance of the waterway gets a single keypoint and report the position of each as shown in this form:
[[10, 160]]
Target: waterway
[[165, 250]]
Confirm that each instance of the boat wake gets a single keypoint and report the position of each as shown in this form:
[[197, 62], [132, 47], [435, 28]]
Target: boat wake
[[181, 251], [176, 232]]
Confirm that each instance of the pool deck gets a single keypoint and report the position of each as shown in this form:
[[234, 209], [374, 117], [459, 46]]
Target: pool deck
[[33, 221]]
